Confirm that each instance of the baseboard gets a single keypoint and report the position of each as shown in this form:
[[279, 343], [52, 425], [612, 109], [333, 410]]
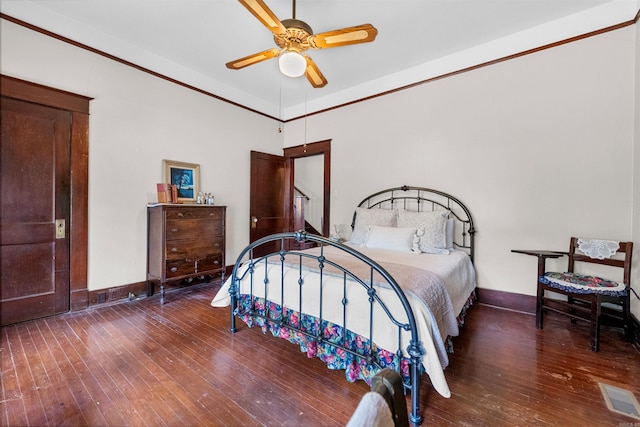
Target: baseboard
[[508, 300], [130, 291], [119, 293]]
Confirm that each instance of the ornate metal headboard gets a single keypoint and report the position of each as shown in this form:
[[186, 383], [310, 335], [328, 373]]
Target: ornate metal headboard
[[420, 199]]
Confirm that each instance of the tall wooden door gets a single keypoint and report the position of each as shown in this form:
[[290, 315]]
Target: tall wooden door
[[34, 211], [267, 193]]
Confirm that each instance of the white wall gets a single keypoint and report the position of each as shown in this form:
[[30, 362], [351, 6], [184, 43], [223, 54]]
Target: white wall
[[136, 121], [540, 148]]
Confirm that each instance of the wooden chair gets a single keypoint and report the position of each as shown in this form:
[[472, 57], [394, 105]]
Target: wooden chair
[[585, 294]]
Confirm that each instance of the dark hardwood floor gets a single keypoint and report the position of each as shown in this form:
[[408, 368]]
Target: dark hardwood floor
[[142, 364]]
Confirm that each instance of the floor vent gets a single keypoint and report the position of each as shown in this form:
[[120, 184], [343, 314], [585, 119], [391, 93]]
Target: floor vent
[[620, 400]]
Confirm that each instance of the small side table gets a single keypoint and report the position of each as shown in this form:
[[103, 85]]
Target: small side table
[[542, 258]]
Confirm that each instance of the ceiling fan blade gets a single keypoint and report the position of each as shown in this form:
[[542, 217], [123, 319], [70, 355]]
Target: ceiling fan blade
[[346, 36], [253, 59], [265, 15], [313, 74]]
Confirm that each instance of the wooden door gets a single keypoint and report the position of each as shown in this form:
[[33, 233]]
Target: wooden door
[[267, 194], [35, 189]]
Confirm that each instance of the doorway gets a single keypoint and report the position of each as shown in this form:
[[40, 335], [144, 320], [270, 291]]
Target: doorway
[[316, 155], [308, 193]]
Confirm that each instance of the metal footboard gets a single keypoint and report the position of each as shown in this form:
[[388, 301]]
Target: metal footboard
[[250, 272]]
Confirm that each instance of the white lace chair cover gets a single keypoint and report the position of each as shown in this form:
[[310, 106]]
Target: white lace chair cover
[[598, 249]]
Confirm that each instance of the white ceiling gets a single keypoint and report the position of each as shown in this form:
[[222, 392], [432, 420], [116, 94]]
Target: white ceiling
[[191, 40]]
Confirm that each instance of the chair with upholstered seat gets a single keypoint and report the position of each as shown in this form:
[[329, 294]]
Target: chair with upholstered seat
[[586, 293]]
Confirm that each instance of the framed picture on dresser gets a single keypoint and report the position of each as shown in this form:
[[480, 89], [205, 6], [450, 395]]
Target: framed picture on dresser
[[186, 178]]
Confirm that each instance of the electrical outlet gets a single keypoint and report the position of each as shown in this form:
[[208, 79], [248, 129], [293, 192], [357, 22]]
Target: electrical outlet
[[101, 297]]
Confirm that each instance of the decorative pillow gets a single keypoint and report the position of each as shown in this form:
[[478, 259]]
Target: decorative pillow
[[431, 226], [367, 217], [392, 238], [343, 232]]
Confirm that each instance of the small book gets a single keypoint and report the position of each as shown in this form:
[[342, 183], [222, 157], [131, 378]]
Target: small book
[[164, 193], [174, 193]]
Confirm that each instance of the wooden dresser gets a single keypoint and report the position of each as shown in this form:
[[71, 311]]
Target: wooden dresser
[[183, 242]]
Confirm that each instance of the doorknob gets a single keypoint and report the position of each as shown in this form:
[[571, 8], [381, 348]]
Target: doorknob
[[254, 222]]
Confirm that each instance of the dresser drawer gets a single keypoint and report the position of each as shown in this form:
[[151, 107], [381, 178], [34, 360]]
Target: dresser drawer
[[195, 213], [184, 249], [193, 228], [210, 263], [182, 267]]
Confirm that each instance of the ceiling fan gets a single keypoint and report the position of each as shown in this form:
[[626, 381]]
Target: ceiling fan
[[293, 37]]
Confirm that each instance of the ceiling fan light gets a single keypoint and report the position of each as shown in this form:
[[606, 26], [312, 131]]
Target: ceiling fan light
[[292, 64]]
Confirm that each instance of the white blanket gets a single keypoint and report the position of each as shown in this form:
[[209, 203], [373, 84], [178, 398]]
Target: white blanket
[[453, 272]]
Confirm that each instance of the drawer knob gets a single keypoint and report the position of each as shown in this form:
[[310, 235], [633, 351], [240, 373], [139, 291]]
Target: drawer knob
[[180, 214], [216, 262], [174, 250], [173, 230], [174, 269]]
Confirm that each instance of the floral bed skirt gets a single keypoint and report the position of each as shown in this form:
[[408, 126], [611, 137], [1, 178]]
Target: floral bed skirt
[[325, 340]]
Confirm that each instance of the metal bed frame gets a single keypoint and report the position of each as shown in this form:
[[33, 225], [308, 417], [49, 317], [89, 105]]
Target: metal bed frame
[[421, 199], [412, 198]]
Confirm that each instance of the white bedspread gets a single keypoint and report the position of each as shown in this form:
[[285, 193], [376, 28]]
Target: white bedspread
[[455, 270], [446, 284]]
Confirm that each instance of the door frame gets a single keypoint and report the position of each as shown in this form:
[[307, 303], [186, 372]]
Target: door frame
[[78, 226], [307, 150]]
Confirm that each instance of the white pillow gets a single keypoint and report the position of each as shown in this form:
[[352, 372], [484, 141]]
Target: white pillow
[[392, 238], [431, 227], [367, 217]]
